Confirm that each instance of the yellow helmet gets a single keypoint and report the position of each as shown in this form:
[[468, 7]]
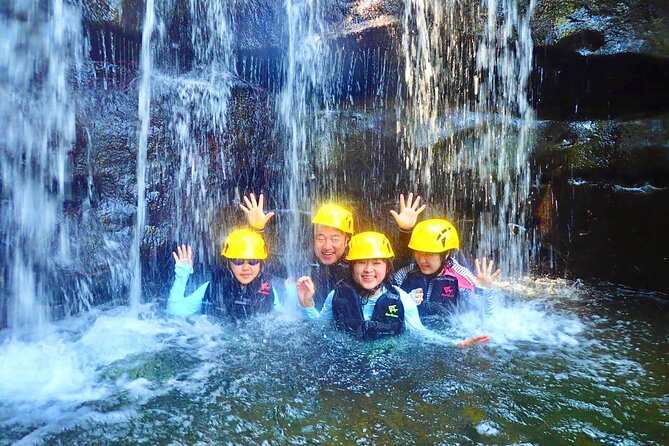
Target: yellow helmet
[[244, 244], [435, 235], [334, 216], [369, 245]]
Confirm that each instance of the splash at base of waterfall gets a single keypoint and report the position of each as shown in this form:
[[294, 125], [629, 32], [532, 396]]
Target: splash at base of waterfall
[[112, 376]]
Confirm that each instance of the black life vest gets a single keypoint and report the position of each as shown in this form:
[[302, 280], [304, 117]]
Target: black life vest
[[387, 318], [326, 278], [440, 293], [229, 298]]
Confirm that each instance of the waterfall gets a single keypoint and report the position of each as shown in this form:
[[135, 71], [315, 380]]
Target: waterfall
[[40, 49], [299, 105], [145, 61], [199, 101], [456, 81], [504, 65], [195, 106], [458, 110]]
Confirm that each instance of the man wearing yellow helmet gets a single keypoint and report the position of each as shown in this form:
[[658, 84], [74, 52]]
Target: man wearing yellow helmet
[[238, 292], [333, 228], [366, 305]]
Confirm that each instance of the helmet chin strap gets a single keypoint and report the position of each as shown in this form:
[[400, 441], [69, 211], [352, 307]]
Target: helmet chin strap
[[447, 262], [365, 294]]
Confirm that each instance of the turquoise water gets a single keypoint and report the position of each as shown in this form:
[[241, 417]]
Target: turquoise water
[[567, 364]]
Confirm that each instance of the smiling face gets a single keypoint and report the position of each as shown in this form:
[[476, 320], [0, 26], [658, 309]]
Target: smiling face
[[369, 273], [329, 244], [245, 273], [428, 262]]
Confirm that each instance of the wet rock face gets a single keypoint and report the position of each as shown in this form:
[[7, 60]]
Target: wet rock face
[[600, 60], [365, 16], [573, 87], [603, 27], [602, 204], [100, 206], [583, 26]]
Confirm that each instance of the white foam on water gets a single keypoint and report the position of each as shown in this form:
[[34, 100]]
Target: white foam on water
[[140, 388], [47, 370], [487, 428], [65, 368], [525, 312], [116, 336], [645, 189], [71, 374]]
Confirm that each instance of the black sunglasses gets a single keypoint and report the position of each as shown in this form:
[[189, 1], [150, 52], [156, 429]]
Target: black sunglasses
[[240, 262]]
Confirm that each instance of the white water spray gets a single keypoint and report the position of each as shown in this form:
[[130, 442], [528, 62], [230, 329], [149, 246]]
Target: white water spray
[[299, 104], [199, 117], [453, 76], [504, 65]]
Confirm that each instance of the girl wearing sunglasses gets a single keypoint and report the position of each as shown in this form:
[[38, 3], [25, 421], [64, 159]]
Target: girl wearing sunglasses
[[238, 292]]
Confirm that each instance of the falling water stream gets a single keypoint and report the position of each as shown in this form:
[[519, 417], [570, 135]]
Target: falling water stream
[[443, 90], [568, 363], [198, 117], [144, 118], [41, 49], [299, 107]]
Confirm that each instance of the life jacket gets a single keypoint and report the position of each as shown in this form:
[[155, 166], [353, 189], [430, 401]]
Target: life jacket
[[387, 318], [441, 293], [229, 298], [326, 278]]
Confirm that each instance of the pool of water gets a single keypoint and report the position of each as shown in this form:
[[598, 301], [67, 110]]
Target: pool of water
[[567, 364]]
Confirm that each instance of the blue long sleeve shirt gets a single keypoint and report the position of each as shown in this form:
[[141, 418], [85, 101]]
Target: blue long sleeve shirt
[[180, 305]]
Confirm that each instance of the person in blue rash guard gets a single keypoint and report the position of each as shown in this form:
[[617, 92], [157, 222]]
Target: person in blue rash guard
[[239, 291]]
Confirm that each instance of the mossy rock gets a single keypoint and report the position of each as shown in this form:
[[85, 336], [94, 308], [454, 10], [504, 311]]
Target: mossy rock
[[157, 367], [603, 27]]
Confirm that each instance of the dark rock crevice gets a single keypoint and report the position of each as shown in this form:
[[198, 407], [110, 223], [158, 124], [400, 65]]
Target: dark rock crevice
[[569, 86]]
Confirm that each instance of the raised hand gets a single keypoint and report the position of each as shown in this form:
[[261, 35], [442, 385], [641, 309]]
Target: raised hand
[[305, 291], [482, 339], [254, 212], [409, 212], [485, 277], [184, 255]]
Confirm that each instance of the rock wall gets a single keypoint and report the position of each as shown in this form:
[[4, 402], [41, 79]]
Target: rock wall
[[599, 90]]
